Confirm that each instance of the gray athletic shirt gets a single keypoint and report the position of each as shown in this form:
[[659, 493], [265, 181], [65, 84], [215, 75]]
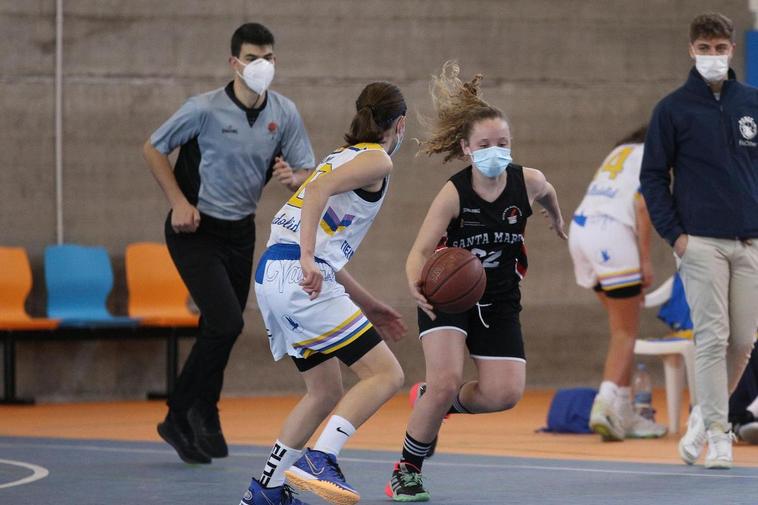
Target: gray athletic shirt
[[225, 176]]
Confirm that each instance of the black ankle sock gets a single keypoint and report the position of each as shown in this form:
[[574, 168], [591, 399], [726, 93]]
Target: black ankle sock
[[414, 451]]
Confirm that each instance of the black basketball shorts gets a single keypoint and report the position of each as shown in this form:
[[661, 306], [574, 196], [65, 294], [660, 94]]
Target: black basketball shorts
[[493, 330]]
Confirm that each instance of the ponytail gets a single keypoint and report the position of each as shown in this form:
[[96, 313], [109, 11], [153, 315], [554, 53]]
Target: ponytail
[[378, 106], [363, 128]]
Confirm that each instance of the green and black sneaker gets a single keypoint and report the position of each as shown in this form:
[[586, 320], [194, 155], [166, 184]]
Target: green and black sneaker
[[406, 484]]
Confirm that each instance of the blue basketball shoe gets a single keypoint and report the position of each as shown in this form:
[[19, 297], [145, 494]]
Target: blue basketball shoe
[[319, 473], [259, 495]]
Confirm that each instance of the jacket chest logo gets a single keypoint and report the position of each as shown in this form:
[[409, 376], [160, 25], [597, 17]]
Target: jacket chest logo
[[512, 214], [748, 128]]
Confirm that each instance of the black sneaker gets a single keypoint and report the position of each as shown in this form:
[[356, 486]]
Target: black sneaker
[[206, 427], [176, 431], [406, 484]]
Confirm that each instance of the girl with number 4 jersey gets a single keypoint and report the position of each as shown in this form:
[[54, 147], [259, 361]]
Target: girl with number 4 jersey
[[609, 240]]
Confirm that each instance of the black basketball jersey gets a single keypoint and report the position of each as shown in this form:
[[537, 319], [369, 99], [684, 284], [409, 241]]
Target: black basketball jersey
[[494, 231]]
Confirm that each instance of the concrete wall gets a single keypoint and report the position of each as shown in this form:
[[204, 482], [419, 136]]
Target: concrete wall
[[573, 77]]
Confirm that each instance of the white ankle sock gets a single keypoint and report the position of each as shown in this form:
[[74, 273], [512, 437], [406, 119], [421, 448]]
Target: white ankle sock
[[279, 461], [608, 391], [753, 407], [334, 436]]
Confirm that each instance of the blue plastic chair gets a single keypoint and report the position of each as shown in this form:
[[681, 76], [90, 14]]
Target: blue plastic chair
[[78, 280]]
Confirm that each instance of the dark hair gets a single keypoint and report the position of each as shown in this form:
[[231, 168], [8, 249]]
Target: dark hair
[[636, 137], [378, 106], [711, 25], [251, 33]]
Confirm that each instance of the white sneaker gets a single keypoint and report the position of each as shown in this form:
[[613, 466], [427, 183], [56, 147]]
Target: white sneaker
[[641, 427], [606, 421], [719, 448], [692, 443], [748, 432]]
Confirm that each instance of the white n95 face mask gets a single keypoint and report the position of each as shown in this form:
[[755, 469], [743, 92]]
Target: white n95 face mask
[[712, 68], [257, 75]]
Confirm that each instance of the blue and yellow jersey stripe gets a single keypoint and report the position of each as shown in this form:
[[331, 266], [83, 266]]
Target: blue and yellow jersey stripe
[[336, 338], [620, 279]]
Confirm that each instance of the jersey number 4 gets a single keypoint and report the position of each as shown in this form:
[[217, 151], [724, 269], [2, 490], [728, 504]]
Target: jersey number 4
[[615, 165]]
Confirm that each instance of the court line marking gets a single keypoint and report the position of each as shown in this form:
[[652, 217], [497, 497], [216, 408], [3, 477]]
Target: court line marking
[[564, 468], [500, 466], [96, 448], [38, 472]]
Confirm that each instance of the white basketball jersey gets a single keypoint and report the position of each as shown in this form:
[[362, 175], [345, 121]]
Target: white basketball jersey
[[615, 186], [346, 219]]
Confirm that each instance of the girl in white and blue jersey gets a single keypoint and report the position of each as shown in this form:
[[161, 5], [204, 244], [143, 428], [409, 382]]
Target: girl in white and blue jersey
[[609, 240], [315, 311]]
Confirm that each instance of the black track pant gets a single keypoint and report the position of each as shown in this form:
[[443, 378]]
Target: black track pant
[[215, 263]]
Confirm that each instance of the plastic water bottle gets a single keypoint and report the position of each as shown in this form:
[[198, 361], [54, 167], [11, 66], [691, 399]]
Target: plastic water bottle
[[643, 392]]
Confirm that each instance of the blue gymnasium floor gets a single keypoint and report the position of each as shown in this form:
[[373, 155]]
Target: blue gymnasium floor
[[38, 471]]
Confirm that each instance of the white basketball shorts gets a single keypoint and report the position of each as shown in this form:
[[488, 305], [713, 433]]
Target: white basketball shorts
[[295, 324], [604, 252]]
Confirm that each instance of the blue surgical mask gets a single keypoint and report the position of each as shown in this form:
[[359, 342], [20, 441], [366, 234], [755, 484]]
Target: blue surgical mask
[[491, 161], [398, 143]]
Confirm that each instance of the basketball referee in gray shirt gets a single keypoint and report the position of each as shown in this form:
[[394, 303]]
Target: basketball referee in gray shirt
[[231, 142]]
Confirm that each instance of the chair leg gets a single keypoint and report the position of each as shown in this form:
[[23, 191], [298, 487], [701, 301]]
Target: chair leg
[[9, 368], [673, 367], [9, 374], [172, 357]]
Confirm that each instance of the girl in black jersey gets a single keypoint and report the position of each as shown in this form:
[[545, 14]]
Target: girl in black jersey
[[482, 208]]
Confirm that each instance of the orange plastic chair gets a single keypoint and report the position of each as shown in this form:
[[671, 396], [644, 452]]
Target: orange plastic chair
[[157, 294], [15, 285]]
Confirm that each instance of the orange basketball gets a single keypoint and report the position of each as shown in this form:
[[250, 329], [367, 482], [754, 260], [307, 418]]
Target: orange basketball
[[453, 280]]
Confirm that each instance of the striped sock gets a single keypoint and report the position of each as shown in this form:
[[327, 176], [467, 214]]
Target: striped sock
[[414, 451], [280, 459]]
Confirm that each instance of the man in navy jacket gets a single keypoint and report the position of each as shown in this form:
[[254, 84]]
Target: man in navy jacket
[[706, 133]]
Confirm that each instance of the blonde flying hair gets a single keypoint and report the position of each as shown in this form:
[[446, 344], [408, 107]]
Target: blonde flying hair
[[458, 106]]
